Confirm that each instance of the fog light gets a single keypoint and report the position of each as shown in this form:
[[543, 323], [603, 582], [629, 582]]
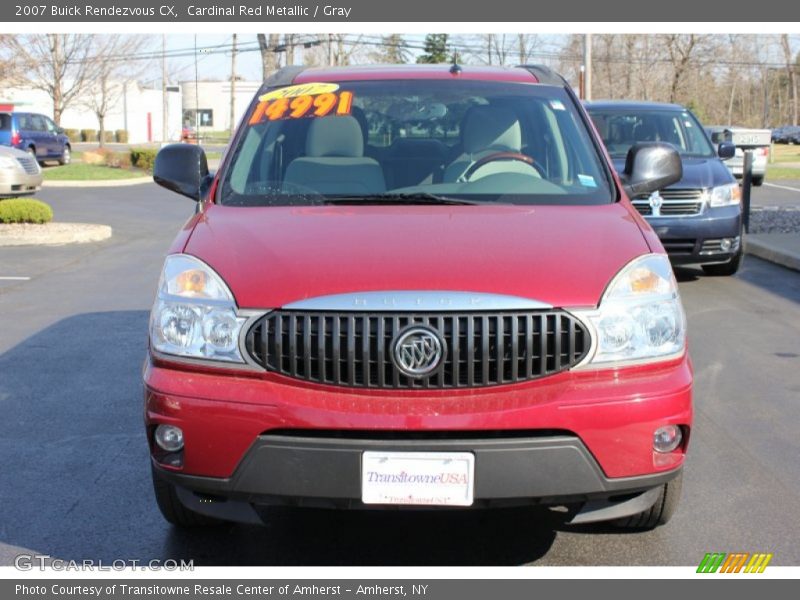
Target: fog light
[[667, 438], [725, 244], [169, 438]]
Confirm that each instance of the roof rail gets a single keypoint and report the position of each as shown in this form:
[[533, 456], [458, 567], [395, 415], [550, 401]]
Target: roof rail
[[284, 76], [545, 75]]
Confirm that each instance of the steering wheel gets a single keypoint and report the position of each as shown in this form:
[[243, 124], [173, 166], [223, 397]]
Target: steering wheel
[[518, 156]]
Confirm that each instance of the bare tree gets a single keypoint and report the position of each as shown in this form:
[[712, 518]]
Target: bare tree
[[60, 64], [527, 45], [112, 74], [269, 58], [791, 75], [682, 50], [392, 50]]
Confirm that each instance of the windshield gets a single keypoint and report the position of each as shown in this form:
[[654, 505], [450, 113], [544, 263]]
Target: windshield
[[413, 139], [621, 129]]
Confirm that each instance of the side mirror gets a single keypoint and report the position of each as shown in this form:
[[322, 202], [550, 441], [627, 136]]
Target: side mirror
[[726, 150], [182, 168], [650, 166], [60, 130]]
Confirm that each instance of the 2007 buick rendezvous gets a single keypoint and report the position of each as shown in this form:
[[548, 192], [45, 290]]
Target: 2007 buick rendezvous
[[417, 286]]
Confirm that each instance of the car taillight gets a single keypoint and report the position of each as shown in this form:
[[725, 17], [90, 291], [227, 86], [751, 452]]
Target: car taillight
[[15, 138], [763, 151]]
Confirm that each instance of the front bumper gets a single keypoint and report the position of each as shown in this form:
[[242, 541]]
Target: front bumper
[[696, 239], [736, 166], [573, 437], [17, 183]]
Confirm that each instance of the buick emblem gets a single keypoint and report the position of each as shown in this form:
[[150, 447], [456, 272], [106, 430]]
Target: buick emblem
[[656, 201], [418, 351]]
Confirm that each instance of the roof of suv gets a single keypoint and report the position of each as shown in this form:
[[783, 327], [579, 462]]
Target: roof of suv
[[632, 105], [521, 74]]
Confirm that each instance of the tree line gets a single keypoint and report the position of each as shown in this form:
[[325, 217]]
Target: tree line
[[749, 80]]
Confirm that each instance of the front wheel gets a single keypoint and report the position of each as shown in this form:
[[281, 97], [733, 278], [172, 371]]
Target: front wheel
[[66, 156], [757, 181], [173, 509], [661, 511]]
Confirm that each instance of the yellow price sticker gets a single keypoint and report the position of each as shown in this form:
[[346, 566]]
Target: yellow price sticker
[[303, 89]]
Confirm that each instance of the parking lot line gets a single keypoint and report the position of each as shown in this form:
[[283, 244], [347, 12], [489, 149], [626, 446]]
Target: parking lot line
[[14, 278], [782, 187]]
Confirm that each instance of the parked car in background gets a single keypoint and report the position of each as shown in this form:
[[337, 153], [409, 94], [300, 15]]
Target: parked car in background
[[35, 134], [20, 174], [745, 139], [787, 134], [699, 218], [189, 134], [417, 286]]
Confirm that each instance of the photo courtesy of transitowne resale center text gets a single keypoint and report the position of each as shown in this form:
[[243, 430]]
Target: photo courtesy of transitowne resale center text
[[388, 301]]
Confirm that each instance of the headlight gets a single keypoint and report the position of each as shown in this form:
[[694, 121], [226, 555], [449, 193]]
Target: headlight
[[194, 314], [8, 163], [725, 195], [640, 317]]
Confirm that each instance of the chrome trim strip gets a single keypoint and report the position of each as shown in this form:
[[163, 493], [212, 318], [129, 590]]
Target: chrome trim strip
[[427, 301]]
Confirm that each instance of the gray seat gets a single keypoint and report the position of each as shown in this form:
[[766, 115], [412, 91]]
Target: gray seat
[[334, 162], [487, 130]]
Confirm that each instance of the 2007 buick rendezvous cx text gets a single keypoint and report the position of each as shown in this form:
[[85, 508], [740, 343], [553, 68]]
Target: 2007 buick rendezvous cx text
[[417, 286]]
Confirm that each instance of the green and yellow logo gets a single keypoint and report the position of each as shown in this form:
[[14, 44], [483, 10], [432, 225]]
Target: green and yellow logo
[[737, 562]]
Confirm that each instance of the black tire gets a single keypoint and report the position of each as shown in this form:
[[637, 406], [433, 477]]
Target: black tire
[[66, 156], [757, 181], [173, 509], [726, 269], [661, 511]]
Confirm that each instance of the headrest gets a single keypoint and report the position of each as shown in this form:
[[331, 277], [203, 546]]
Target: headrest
[[486, 128], [335, 137]]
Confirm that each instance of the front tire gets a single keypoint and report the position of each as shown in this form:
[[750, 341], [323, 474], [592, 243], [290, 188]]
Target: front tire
[[661, 511], [66, 156], [757, 181], [173, 509]]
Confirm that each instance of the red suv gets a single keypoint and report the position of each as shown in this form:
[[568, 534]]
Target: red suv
[[417, 286]]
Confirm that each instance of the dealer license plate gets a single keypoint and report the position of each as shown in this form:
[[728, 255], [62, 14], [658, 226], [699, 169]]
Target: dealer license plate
[[418, 478]]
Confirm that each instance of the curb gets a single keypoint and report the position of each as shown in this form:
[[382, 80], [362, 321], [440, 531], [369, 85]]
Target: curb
[[52, 234], [768, 249], [96, 183]]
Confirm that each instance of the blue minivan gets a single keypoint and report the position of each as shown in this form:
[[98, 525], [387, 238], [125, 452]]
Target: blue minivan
[[699, 218], [35, 134]]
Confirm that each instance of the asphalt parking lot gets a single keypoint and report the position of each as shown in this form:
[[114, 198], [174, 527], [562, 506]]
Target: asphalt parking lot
[[75, 483]]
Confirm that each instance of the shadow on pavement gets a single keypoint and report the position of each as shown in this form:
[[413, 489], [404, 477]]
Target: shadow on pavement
[[75, 482]]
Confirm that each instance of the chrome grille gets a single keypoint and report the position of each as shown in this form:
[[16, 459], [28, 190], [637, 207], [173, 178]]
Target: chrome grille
[[354, 349], [676, 202], [29, 164]]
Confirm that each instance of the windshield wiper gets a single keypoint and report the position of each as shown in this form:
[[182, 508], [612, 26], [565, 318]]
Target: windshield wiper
[[400, 198]]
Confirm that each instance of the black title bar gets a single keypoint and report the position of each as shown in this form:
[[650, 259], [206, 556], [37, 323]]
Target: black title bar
[[454, 11]]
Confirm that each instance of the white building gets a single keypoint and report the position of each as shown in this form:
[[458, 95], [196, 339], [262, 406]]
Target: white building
[[213, 99], [131, 107]]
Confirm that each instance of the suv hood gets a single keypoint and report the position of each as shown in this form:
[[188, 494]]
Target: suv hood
[[561, 255], [697, 173]]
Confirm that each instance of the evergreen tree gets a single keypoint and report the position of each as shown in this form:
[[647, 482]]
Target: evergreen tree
[[435, 49]]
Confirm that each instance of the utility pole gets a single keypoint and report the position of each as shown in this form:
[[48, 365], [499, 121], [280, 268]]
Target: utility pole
[[587, 64], [233, 85], [196, 95], [164, 103]]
